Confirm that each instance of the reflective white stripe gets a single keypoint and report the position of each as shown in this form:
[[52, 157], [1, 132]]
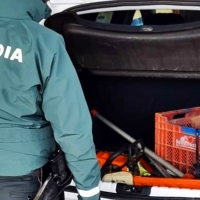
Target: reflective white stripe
[[89, 193]]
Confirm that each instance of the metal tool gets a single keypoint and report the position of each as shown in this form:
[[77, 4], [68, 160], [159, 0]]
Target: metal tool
[[147, 151]]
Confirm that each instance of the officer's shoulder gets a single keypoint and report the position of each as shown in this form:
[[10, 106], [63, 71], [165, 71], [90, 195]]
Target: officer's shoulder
[[46, 33]]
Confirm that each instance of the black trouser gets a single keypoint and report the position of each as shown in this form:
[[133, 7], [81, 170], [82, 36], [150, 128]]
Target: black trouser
[[19, 187]]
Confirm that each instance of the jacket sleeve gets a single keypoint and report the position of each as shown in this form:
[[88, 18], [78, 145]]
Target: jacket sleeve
[[65, 108]]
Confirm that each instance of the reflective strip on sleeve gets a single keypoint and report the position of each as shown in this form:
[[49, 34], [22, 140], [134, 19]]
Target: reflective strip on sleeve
[[89, 193]]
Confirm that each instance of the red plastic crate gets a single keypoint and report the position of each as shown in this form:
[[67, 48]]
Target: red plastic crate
[[175, 137]]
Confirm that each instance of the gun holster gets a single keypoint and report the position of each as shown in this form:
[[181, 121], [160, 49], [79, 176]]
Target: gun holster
[[58, 177]]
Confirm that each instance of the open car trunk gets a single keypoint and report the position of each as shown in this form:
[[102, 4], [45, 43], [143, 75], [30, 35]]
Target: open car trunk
[[130, 72]]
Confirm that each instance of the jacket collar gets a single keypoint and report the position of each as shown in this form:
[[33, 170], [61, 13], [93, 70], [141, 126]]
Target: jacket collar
[[24, 9]]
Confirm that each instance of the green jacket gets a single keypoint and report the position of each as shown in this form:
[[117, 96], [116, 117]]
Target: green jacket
[[41, 98]]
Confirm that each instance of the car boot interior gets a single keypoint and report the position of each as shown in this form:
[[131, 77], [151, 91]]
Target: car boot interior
[[130, 98]]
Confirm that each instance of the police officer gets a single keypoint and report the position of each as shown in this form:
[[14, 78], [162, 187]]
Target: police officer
[[41, 101]]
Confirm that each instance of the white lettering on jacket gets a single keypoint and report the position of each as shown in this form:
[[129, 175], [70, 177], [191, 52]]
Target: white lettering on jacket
[[8, 53]]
